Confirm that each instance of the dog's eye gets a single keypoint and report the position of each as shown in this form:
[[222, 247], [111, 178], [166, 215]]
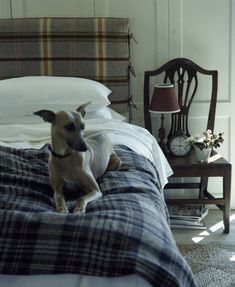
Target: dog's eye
[[70, 127]]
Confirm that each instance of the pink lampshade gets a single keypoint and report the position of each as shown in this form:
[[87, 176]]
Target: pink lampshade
[[164, 99]]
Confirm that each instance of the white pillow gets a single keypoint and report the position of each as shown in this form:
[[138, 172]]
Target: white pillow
[[20, 97], [105, 113]]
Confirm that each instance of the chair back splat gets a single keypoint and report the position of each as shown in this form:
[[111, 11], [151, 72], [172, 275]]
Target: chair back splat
[[184, 75]]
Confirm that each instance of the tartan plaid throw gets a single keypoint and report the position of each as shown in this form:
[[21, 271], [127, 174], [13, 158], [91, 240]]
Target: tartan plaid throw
[[92, 48], [124, 232]]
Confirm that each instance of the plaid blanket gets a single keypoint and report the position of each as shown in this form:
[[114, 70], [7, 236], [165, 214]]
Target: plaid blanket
[[126, 231]]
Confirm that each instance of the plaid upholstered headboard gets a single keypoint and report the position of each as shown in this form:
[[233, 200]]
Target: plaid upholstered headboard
[[93, 48]]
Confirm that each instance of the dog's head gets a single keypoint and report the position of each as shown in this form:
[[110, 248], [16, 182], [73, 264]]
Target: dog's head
[[67, 127]]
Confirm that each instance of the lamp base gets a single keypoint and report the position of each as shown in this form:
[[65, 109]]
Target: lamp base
[[163, 147], [161, 136]]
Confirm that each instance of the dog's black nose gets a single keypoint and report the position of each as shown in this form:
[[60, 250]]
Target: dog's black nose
[[83, 147], [79, 146]]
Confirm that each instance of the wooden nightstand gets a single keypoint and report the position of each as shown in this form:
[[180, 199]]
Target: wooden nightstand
[[187, 76], [188, 166]]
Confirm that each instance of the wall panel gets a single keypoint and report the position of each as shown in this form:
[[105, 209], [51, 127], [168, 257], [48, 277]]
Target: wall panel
[[205, 35], [52, 8], [5, 9], [142, 15]]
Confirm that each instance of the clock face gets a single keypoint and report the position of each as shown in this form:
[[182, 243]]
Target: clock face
[[178, 145]]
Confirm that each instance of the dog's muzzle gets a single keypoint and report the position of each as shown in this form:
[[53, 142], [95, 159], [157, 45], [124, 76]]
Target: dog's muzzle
[[81, 146]]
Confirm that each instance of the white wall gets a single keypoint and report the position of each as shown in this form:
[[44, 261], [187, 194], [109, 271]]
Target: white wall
[[202, 30]]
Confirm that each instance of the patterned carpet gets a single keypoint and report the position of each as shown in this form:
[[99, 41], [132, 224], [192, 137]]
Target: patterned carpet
[[213, 265]]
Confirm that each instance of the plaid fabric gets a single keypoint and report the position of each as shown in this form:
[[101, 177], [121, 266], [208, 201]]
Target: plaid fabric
[[93, 48], [124, 232]]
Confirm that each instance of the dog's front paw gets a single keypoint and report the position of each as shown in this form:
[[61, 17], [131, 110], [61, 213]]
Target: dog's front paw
[[80, 206], [62, 209]]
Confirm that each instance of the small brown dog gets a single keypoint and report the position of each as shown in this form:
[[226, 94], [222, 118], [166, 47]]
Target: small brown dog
[[76, 159]]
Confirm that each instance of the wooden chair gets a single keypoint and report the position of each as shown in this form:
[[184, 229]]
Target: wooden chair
[[186, 75]]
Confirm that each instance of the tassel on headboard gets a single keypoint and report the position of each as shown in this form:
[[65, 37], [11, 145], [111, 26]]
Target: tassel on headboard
[[131, 104]]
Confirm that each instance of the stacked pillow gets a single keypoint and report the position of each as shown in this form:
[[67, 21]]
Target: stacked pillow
[[21, 97]]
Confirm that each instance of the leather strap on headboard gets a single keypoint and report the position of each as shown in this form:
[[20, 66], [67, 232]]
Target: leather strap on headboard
[[93, 48]]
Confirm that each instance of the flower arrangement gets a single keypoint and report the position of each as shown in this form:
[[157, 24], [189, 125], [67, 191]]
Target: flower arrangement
[[207, 140]]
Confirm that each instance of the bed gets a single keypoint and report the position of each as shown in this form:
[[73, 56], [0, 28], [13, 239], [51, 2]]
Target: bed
[[124, 238]]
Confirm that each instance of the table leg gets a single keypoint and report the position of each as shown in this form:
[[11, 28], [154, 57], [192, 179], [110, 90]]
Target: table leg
[[227, 195]]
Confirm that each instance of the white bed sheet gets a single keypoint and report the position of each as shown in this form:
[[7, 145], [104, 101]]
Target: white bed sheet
[[71, 280], [133, 136], [37, 135]]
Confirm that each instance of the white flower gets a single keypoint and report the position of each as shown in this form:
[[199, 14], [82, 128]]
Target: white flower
[[206, 140]]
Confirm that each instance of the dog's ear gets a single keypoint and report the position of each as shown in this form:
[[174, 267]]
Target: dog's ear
[[81, 109], [47, 115]]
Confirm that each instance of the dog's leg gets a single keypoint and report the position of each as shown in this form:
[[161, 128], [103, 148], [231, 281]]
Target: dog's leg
[[90, 186], [60, 202], [57, 185], [84, 200], [114, 162]]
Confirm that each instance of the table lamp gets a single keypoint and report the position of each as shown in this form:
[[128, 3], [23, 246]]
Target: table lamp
[[164, 101]]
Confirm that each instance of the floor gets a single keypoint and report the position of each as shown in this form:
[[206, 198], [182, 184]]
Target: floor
[[212, 233]]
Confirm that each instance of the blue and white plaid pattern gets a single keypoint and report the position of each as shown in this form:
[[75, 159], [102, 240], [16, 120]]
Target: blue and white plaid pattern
[[126, 231]]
